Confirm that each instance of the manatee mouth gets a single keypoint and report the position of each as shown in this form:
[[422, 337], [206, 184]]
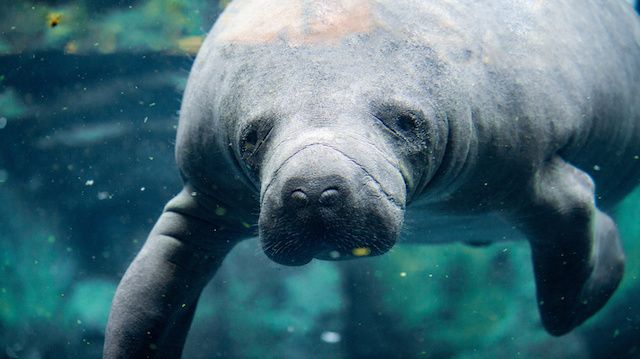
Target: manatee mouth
[[296, 237], [358, 240], [323, 204], [302, 258]]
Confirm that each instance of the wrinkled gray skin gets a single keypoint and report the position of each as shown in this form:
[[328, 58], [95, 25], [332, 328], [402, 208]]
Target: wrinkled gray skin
[[341, 121]]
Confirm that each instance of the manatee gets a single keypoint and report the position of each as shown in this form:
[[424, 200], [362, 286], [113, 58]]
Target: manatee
[[333, 125]]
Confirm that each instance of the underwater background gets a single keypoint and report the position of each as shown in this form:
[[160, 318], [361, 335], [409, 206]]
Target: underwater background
[[89, 94]]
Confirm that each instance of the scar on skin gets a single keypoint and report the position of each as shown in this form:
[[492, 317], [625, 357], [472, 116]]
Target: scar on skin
[[298, 22]]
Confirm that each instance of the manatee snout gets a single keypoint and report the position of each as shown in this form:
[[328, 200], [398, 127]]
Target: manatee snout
[[321, 201], [322, 198]]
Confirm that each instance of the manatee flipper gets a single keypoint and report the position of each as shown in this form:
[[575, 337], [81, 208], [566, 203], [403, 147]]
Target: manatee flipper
[[156, 299], [577, 256]]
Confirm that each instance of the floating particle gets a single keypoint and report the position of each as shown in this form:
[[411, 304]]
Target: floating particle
[[334, 254], [3, 122], [596, 168], [193, 194], [361, 251], [53, 19], [246, 225], [403, 274], [51, 239], [89, 183], [221, 211], [142, 189], [4, 175], [146, 119], [330, 337], [103, 195], [71, 48]]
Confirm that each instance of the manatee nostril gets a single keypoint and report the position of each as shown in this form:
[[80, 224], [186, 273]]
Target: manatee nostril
[[299, 198], [329, 197], [303, 197]]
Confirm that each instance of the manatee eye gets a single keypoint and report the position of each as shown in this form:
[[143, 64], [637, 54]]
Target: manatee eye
[[400, 122], [406, 122], [252, 139]]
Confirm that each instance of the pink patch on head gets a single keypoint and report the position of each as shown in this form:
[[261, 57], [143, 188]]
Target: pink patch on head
[[296, 21]]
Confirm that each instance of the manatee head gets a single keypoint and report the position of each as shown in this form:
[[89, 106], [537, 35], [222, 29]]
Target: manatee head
[[335, 164], [336, 132], [329, 193]]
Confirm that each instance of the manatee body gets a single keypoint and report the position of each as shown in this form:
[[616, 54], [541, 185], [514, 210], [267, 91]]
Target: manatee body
[[335, 124]]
